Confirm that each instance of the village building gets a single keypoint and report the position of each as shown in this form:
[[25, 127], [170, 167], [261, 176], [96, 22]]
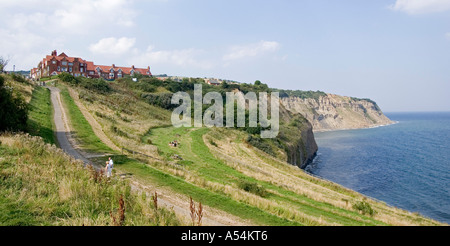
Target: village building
[[55, 64], [212, 81]]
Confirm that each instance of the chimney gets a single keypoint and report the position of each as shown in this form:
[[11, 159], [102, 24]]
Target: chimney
[[132, 66], [54, 53], [114, 66]]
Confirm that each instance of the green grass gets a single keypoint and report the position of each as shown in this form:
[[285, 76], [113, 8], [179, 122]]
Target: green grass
[[206, 197], [92, 143], [202, 166], [40, 185], [40, 117], [194, 151], [83, 130]]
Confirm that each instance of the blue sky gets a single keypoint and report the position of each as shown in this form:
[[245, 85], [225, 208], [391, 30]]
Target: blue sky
[[396, 52]]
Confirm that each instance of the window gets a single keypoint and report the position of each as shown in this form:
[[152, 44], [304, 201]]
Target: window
[[70, 63], [53, 62], [111, 75], [64, 63], [70, 69], [59, 68], [81, 69], [91, 72]]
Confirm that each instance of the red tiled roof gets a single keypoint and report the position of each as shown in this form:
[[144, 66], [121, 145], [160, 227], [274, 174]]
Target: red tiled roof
[[90, 66]]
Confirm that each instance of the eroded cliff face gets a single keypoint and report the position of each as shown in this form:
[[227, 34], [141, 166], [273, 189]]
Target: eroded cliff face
[[333, 112], [298, 137]]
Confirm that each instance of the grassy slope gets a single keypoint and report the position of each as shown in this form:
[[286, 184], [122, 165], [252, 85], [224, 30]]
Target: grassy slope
[[212, 178], [84, 133], [201, 162], [40, 117], [40, 185]]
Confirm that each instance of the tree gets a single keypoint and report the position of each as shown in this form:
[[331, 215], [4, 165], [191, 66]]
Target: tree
[[257, 82], [3, 63]]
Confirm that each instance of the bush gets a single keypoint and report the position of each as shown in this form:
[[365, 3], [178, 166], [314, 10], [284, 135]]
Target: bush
[[13, 110], [68, 78], [19, 78], [98, 85], [260, 144], [252, 188], [364, 208], [163, 100], [213, 143]]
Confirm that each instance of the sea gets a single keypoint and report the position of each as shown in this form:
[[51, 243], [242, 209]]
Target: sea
[[406, 165]]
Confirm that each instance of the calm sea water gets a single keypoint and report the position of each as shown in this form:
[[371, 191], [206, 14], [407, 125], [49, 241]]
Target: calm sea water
[[406, 165]]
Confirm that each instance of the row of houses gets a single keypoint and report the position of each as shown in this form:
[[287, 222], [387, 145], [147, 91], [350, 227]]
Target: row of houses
[[55, 64]]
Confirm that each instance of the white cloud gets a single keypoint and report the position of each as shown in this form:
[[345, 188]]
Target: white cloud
[[251, 50], [23, 47], [83, 16], [421, 6], [180, 58], [113, 46], [39, 27], [71, 16]]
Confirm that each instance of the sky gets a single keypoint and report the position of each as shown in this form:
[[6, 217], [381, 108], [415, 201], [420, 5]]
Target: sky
[[395, 52]]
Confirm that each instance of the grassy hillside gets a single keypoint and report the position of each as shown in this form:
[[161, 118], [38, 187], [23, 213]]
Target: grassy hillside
[[222, 170], [40, 185], [219, 167]]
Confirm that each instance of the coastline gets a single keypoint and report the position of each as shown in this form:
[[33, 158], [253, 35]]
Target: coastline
[[356, 128], [392, 173]]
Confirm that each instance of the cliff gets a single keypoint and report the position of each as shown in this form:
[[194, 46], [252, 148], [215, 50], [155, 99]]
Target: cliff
[[296, 132], [334, 112]]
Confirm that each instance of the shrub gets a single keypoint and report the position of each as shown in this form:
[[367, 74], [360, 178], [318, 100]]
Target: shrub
[[146, 86], [252, 188], [14, 110], [68, 78], [163, 100], [260, 144], [19, 78], [98, 85], [364, 208], [212, 143]]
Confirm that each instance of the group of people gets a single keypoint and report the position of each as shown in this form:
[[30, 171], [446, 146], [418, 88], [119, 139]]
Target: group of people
[[174, 143]]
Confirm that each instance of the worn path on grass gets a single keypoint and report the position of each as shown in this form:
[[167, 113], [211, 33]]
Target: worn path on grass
[[166, 198], [62, 127]]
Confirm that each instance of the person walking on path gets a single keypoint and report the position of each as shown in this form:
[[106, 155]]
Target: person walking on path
[[108, 169], [111, 162]]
